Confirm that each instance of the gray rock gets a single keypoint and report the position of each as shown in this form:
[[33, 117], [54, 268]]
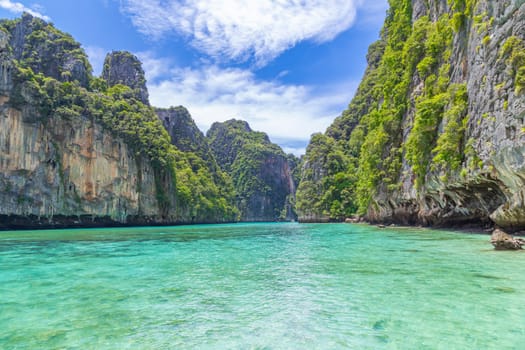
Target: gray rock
[[261, 172], [503, 241], [122, 67], [419, 9], [57, 55], [489, 187]]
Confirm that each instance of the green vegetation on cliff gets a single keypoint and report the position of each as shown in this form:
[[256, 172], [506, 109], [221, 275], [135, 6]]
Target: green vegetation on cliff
[[513, 51], [38, 45], [407, 117], [47, 87], [336, 188], [260, 171], [361, 135], [204, 185]]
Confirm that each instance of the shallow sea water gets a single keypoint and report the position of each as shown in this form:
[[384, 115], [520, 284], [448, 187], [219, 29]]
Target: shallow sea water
[[259, 286]]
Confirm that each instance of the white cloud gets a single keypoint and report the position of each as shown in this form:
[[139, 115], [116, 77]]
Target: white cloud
[[17, 7], [289, 114], [96, 56], [242, 29], [371, 13], [154, 67]]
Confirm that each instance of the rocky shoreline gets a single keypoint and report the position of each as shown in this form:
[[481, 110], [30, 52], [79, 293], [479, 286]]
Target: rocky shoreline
[[500, 239], [32, 222]]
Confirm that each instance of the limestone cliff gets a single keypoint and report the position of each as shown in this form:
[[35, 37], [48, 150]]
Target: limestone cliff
[[435, 133], [187, 137], [76, 150], [47, 50], [260, 171], [68, 172], [184, 133], [121, 67], [59, 167]]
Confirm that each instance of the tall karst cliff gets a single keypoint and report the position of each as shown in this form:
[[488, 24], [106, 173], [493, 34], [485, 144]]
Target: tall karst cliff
[[435, 134], [81, 150], [210, 183], [121, 67], [260, 171]]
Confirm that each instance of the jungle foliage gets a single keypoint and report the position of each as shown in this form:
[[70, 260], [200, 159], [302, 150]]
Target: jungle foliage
[[362, 152], [52, 77]]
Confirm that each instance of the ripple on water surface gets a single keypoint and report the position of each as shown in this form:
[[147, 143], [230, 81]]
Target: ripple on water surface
[[258, 286]]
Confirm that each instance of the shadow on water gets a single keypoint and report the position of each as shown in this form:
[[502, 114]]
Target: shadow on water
[[505, 289], [491, 277], [146, 234]]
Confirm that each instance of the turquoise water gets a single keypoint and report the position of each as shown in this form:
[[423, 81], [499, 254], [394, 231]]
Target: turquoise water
[[259, 286]]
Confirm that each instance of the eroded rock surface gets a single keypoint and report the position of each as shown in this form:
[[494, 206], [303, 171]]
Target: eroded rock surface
[[444, 144], [122, 67], [503, 241]]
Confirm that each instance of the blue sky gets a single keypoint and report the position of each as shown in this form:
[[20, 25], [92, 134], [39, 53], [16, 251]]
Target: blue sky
[[288, 67]]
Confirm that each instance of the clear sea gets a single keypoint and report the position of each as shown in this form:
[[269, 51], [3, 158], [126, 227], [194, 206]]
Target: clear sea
[[259, 286]]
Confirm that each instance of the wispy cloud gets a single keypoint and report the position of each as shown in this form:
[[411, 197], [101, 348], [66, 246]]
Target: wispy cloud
[[17, 8], [288, 113], [243, 29]]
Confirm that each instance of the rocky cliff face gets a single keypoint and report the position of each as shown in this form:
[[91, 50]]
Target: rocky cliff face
[[259, 169], [82, 151], [184, 133], [122, 67], [435, 134], [187, 137], [46, 50], [58, 167], [69, 172]]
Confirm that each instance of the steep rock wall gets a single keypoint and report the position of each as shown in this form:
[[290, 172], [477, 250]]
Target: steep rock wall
[[260, 171], [435, 134], [122, 67], [489, 185], [61, 167], [70, 172]]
